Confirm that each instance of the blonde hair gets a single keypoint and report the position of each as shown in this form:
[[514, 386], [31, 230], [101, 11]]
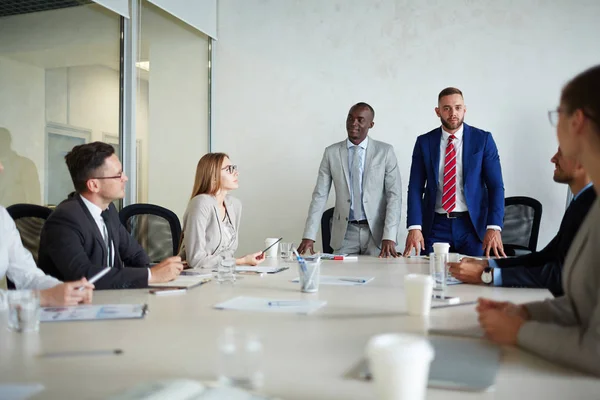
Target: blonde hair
[[208, 174]]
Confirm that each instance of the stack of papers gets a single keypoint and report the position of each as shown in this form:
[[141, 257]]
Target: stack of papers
[[243, 303], [342, 280]]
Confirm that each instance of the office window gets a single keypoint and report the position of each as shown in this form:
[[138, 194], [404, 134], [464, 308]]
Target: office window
[[172, 107], [59, 87]]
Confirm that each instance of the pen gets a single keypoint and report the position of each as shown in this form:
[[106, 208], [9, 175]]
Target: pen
[[357, 280], [272, 244], [82, 353], [94, 278], [342, 258], [291, 303], [464, 303]]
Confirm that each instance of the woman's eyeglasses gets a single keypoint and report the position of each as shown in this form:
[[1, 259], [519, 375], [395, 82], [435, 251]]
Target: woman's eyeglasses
[[232, 169]]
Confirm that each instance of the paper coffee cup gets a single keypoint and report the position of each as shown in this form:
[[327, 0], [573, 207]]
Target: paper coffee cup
[[272, 252], [441, 247], [399, 364], [418, 290]]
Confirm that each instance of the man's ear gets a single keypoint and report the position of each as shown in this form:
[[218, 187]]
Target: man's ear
[[437, 112], [92, 186], [372, 124]]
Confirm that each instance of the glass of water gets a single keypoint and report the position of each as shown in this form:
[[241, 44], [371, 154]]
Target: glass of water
[[240, 360], [23, 310], [438, 267], [226, 270], [285, 251]]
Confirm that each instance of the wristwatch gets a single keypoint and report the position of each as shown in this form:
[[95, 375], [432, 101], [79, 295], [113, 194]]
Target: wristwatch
[[487, 276]]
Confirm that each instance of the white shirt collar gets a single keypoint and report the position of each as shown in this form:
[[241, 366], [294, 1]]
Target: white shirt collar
[[458, 133], [362, 144], [94, 209]]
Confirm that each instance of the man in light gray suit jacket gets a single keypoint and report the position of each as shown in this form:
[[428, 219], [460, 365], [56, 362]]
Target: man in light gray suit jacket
[[365, 175]]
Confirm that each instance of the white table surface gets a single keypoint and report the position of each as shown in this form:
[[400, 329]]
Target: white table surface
[[305, 357]]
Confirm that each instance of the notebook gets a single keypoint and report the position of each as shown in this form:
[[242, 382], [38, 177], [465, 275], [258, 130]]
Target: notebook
[[184, 282]]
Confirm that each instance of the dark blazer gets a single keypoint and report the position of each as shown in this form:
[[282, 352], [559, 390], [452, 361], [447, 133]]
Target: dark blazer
[[543, 269], [71, 247], [482, 180]]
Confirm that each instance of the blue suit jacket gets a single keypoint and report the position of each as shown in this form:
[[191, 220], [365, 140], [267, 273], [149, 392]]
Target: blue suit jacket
[[482, 180]]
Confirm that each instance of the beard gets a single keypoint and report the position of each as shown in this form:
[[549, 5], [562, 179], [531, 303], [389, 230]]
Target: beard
[[451, 126]]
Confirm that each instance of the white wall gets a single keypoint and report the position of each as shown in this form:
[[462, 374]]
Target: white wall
[[287, 71]]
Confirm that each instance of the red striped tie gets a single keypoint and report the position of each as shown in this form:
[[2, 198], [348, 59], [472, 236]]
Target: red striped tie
[[449, 196]]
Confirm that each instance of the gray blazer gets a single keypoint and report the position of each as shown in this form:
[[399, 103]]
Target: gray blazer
[[382, 197], [201, 246], [567, 329]]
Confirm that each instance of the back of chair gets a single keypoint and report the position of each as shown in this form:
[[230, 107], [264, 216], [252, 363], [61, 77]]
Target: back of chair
[[522, 217], [156, 229], [326, 220], [29, 219]]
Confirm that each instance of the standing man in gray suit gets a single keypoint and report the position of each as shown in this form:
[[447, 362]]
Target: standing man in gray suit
[[367, 184]]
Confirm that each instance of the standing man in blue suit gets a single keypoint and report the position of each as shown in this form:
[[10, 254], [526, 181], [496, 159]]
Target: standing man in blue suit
[[455, 193]]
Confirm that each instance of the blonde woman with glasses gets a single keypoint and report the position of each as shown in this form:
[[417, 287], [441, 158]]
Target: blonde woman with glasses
[[212, 219]]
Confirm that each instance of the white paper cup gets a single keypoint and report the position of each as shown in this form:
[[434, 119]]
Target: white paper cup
[[441, 247], [418, 290], [399, 364], [272, 252]]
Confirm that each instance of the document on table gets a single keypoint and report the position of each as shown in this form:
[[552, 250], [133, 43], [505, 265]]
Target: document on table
[[14, 391], [342, 280], [268, 270], [93, 312], [184, 281], [243, 303]]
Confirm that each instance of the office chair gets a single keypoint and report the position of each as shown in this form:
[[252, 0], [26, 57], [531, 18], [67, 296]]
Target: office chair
[[326, 230], [156, 229], [29, 219], [522, 217]]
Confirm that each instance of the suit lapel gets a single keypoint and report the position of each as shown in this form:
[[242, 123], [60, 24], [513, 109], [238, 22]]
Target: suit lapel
[[468, 149], [94, 226], [114, 233], [344, 162], [434, 150], [369, 155]]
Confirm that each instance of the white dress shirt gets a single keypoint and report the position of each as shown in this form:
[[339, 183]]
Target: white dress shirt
[[364, 144], [461, 202], [96, 213], [16, 261]]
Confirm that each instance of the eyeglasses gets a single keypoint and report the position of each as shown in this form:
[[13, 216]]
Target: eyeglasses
[[232, 169], [553, 116], [120, 176]]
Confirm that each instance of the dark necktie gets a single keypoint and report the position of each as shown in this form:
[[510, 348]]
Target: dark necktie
[[108, 239]]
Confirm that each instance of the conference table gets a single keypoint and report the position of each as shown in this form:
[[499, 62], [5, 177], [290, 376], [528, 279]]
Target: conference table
[[304, 356]]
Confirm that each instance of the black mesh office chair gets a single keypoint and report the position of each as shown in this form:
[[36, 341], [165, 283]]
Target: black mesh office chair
[[156, 228], [326, 220], [522, 217], [29, 219]]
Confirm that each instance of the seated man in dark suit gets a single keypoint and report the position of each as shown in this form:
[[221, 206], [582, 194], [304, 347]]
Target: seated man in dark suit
[[541, 269], [84, 235]]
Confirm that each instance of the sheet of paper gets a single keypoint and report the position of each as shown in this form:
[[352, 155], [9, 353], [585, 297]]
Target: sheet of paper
[[342, 280], [93, 312], [243, 303], [9, 391], [268, 270], [185, 281]]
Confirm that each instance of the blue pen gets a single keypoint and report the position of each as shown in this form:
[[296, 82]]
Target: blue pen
[[291, 303], [357, 280]]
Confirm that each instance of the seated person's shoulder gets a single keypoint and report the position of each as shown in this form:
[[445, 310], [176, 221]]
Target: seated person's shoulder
[[202, 200], [237, 203]]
